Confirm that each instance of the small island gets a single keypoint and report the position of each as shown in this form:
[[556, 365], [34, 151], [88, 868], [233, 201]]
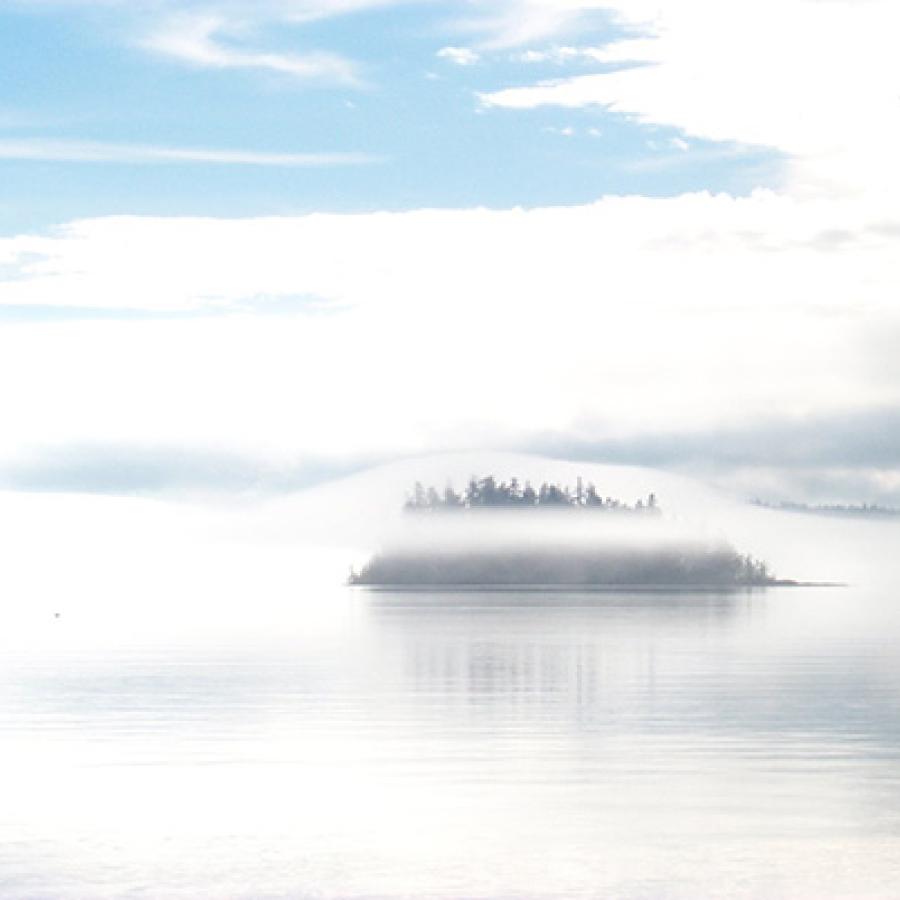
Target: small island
[[485, 544]]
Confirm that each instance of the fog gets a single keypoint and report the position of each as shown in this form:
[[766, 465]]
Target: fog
[[364, 514], [575, 529], [137, 557], [192, 702], [785, 391]]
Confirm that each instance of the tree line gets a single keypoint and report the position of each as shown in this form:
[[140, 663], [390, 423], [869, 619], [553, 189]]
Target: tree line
[[488, 492], [687, 565]]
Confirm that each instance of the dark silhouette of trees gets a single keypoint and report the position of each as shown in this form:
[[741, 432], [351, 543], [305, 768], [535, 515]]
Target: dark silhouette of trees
[[486, 492], [660, 566], [852, 510]]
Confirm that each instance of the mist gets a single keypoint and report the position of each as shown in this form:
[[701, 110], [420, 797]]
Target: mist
[[204, 555]]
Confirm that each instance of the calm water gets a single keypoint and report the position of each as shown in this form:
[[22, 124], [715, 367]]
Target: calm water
[[502, 745]]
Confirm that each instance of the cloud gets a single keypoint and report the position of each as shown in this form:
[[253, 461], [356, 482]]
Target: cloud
[[503, 24], [462, 56], [154, 468], [822, 87], [41, 149], [191, 31], [746, 335], [227, 34], [609, 324], [677, 153], [561, 55], [858, 445], [564, 131], [845, 458], [196, 40]]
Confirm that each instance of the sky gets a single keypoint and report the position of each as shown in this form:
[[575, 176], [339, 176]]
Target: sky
[[249, 246]]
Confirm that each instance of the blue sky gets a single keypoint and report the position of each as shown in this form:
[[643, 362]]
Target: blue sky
[[83, 72]]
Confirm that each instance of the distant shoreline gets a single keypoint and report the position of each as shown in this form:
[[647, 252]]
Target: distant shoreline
[[595, 588], [831, 510]]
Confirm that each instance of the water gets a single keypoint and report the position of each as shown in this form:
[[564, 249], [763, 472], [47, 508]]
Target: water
[[234, 727]]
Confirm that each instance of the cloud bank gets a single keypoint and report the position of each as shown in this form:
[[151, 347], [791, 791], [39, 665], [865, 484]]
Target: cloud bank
[[627, 320], [818, 81]]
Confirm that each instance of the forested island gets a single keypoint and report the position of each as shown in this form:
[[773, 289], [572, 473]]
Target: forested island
[[493, 549], [623, 566]]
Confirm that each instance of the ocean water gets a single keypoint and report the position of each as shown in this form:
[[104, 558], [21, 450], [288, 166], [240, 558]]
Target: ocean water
[[230, 722]]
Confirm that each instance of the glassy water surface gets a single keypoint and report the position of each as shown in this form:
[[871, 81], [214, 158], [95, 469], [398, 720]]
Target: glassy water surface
[[374, 744]]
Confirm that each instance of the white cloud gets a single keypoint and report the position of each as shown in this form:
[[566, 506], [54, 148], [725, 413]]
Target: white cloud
[[817, 81], [103, 152], [561, 55], [670, 155], [473, 327], [516, 23], [198, 40], [225, 34], [462, 56], [186, 29], [312, 10]]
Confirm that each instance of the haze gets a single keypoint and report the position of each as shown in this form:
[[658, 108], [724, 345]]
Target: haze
[[264, 265]]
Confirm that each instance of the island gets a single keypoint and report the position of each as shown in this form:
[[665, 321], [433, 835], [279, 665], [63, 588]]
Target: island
[[484, 538]]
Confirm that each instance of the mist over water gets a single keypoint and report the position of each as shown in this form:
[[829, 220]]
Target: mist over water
[[213, 713]]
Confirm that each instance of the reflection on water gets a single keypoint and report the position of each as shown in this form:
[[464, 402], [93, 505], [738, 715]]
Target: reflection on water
[[576, 649], [663, 660], [501, 744]]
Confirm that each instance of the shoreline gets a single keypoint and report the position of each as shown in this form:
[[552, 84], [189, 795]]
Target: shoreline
[[597, 588]]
